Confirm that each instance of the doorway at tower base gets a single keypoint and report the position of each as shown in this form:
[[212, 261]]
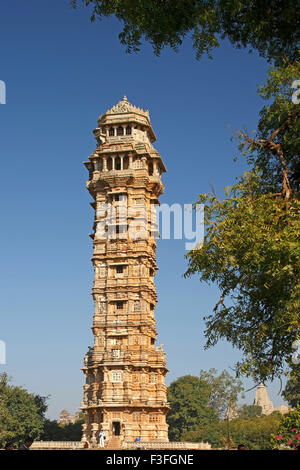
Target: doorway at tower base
[[129, 426], [117, 430]]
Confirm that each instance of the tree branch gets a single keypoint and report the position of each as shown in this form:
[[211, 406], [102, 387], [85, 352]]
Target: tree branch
[[219, 303], [275, 148]]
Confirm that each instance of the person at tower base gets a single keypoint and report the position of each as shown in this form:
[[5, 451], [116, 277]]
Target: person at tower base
[[102, 438], [241, 447], [27, 444], [9, 446]]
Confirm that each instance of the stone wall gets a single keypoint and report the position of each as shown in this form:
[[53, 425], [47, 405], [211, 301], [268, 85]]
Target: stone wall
[[57, 445], [77, 445]]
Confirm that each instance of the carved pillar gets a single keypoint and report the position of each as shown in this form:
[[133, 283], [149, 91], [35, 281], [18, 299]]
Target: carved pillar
[[144, 162], [94, 428], [104, 158], [84, 433], [130, 160]]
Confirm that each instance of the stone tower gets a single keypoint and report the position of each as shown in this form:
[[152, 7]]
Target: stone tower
[[125, 391]]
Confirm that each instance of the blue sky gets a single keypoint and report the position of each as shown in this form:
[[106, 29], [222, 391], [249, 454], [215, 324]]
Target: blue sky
[[61, 73]]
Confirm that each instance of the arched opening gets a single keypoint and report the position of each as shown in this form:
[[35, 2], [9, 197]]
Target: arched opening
[[150, 169], [111, 131], [109, 163], [118, 163], [120, 130], [128, 130], [126, 162]]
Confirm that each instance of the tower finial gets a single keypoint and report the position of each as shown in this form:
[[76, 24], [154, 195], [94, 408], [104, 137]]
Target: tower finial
[[125, 98]]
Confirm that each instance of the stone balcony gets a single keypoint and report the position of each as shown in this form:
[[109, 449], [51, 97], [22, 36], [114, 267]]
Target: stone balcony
[[118, 245], [114, 400], [124, 323], [137, 358]]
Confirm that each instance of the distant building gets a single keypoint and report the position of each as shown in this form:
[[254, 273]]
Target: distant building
[[283, 409], [262, 399], [67, 418]]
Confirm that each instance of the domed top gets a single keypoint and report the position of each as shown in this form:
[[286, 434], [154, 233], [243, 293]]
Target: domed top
[[125, 113], [124, 107]]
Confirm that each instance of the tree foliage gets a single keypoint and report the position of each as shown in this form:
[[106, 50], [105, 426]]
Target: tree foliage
[[250, 411], [275, 147], [224, 390], [189, 400], [291, 392], [256, 433], [69, 432], [21, 413], [197, 401], [272, 28], [288, 432], [251, 249]]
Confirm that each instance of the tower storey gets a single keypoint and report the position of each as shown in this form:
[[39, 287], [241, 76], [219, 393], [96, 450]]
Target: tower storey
[[125, 391]]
